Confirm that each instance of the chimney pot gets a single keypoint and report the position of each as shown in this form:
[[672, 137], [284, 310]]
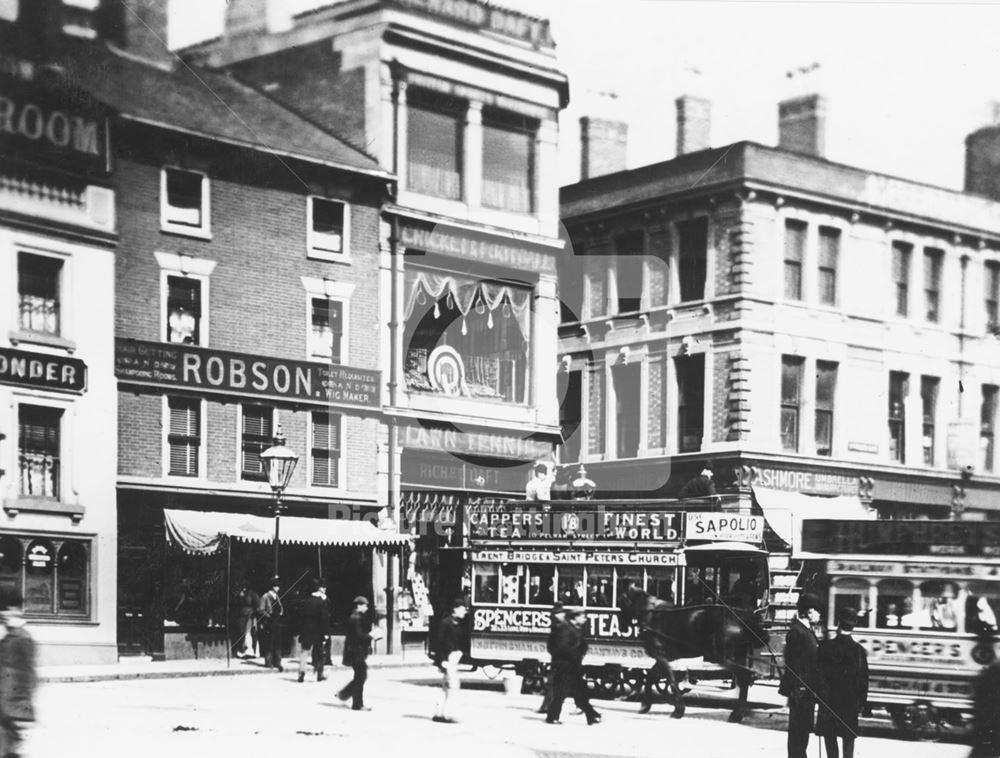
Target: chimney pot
[[603, 144], [802, 124]]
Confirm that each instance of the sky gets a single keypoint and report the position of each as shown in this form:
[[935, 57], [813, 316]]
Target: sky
[[905, 82]]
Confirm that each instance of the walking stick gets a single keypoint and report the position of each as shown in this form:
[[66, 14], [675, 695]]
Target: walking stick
[[229, 555]]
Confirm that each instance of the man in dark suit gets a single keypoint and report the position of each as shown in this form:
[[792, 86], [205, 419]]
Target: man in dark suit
[[357, 647], [448, 652], [269, 614], [314, 631], [568, 649], [556, 619], [843, 686], [17, 675], [798, 681]]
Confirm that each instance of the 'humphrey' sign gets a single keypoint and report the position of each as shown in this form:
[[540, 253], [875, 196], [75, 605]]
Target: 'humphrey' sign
[[223, 373]]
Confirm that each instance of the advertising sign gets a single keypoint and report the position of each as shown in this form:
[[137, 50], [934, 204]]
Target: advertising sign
[[509, 648], [726, 527], [530, 522], [51, 128], [172, 366], [623, 558], [945, 538], [603, 624], [920, 686], [40, 371], [933, 652]]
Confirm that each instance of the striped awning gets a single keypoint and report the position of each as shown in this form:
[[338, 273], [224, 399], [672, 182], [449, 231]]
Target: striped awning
[[429, 505], [204, 532]]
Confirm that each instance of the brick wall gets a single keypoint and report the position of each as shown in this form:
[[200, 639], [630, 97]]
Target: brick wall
[[297, 76], [140, 434], [256, 303]]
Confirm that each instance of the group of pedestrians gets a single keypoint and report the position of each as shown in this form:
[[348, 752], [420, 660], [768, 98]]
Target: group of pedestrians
[[825, 681], [260, 620]]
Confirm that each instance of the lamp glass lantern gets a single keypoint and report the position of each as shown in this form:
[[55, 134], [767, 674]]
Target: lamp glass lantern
[[279, 463]]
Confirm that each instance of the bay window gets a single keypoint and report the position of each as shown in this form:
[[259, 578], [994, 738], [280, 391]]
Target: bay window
[[51, 573], [467, 337]]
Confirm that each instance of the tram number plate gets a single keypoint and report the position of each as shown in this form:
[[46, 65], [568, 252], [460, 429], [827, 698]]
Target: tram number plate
[[920, 686]]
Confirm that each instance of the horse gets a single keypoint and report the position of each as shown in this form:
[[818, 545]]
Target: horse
[[718, 633]]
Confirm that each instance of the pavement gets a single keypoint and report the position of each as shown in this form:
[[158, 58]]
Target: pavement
[[144, 668]]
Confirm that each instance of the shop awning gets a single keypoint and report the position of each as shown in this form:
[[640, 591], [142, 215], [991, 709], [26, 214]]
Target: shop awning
[[203, 532], [784, 511]]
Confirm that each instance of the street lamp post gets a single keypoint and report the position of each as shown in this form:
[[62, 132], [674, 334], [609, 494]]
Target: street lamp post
[[279, 463]]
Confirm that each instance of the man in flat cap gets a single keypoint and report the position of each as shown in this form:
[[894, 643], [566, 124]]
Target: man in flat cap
[[798, 681], [269, 614], [357, 647]]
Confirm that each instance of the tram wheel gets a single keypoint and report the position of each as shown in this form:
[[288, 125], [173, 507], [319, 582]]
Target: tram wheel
[[633, 682]]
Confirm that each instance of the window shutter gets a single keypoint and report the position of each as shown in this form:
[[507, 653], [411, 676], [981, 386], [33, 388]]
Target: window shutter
[[325, 448]]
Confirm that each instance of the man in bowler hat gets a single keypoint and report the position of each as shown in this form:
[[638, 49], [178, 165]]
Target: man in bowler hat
[[357, 648], [798, 681], [843, 686], [315, 630]]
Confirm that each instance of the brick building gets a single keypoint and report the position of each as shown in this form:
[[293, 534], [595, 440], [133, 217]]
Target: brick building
[[461, 102], [801, 326], [57, 394], [247, 278]]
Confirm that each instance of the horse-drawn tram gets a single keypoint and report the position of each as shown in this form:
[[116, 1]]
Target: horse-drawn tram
[[652, 577], [927, 593]]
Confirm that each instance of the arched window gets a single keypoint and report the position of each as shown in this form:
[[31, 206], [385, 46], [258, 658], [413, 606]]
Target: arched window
[[849, 592], [72, 577], [39, 570], [11, 561], [895, 604]]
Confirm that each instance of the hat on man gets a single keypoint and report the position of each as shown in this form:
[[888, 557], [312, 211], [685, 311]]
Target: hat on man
[[361, 600], [847, 619], [808, 600], [459, 602], [275, 581], [572, 613], [558, 608]]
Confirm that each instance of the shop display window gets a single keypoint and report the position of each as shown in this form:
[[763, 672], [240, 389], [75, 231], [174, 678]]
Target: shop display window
[[52, 574], [467, 337]]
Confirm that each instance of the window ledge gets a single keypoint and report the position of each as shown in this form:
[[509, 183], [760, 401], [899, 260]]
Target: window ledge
[[43, 505], [329, 257], [186, 231], [38, 338]]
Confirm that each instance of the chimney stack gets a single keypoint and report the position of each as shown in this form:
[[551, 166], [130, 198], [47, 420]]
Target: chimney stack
[[694, 123], [982, 158], [802, 124], [602, 146], [252, 16], [138, 27]]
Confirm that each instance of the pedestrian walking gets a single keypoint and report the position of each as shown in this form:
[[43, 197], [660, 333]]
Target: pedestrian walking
[[314, 631], [269, 614], [799, 679], [569, 647], [556, 617], [357, 648], [843, 686], [18, 677], [247, 602], [986, 714], [448, 654]]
